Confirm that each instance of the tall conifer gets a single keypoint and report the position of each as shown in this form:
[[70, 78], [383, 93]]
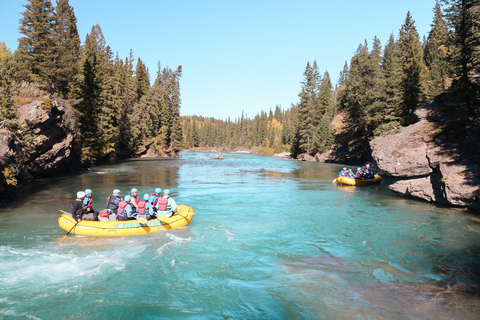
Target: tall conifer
[[413, 69], [34, 52]]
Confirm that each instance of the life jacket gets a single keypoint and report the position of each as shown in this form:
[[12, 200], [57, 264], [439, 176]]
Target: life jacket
[[141, 207], [163, 204], [89, 202], [153, 200], [121, 207], [112, 202]]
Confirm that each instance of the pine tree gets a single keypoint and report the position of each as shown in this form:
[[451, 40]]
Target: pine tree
[[142, 79], [392, 70], [436, 50], [413, 67], [7, 76], [63, 71], [34, 52], [363, 99], [96, 68], [308, 108], [463, 17]]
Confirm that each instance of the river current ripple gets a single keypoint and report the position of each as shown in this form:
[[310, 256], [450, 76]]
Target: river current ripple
[[271, 239]]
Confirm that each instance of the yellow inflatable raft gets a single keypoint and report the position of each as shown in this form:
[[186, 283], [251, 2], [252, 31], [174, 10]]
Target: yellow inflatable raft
[[358, 182], [181, 218]]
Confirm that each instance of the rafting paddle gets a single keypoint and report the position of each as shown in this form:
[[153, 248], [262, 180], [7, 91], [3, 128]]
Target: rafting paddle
[[62, 238]]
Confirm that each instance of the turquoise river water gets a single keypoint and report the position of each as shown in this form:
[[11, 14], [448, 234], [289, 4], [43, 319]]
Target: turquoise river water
[[271, 239]]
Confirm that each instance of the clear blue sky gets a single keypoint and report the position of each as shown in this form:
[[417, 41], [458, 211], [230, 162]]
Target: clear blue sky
[[237, 55]]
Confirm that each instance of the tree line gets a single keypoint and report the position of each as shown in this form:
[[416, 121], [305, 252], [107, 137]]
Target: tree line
[[376, 94], [116, 109]]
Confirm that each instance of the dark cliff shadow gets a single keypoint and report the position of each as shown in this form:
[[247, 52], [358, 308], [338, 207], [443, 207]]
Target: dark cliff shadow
[[456, 131]]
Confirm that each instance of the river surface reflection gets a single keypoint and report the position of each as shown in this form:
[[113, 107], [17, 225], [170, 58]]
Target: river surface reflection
[[271, 239]]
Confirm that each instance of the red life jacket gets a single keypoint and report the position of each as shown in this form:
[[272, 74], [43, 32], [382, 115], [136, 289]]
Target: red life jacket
[[121, 206], [141, 207], [156, 200], [162, 204], [89, 204], [108, 199]]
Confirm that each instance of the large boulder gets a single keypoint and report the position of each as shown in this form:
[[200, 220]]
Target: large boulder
[[424, 167], [49, 148], [417, 164]]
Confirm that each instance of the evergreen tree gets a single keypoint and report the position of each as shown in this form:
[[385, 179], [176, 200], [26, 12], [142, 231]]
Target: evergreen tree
[[413, 67], [392, 70], [34, 52], [142, 79], [436, 50], [464, 18], [96, 66], [308, 108], [363, 98], [64, 68], [7, 75]]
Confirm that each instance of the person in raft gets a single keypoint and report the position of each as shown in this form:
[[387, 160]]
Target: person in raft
[[88, 203], [343, 173], [166, 205], [135, 199], [369, 172], [350, 174], [143, 207], [154, 197], [125, 209], [150, 207], [112, 204], [79, 210], [359, 174]]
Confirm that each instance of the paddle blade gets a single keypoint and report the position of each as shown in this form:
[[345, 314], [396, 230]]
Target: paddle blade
[[142, 221], [62, 238]]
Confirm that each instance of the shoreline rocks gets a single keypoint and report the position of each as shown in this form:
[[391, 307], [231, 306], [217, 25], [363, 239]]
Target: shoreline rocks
[[424, 166]]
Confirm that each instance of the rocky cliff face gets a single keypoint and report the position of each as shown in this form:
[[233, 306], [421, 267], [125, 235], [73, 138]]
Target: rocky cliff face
[[419, 162], [50, 149]]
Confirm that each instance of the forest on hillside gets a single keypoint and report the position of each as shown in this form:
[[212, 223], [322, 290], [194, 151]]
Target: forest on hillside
[[117, 111], [377, 92]]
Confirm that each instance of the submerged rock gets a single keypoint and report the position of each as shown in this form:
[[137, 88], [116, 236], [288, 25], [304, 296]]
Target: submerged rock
[[326, 263]]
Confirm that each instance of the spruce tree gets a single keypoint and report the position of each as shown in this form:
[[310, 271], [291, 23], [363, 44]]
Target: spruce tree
[[142, 79], [392, 70], [96, 68], [63, 72], [413, 67], [463, 17], [436, 50], [34, 53], [308, 111]]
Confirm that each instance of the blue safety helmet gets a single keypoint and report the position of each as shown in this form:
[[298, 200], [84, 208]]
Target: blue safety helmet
[[146, 196], [158, 190], [344, 168], [133, 190], [166, 191], [128, 198], [87, 191], [116, 191], [358, 169]]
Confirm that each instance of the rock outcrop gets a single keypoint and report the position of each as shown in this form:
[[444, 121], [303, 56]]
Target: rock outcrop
[[49, 148], [416, 162]]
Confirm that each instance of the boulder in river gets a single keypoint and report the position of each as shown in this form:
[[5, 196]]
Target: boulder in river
[[424, 165]]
